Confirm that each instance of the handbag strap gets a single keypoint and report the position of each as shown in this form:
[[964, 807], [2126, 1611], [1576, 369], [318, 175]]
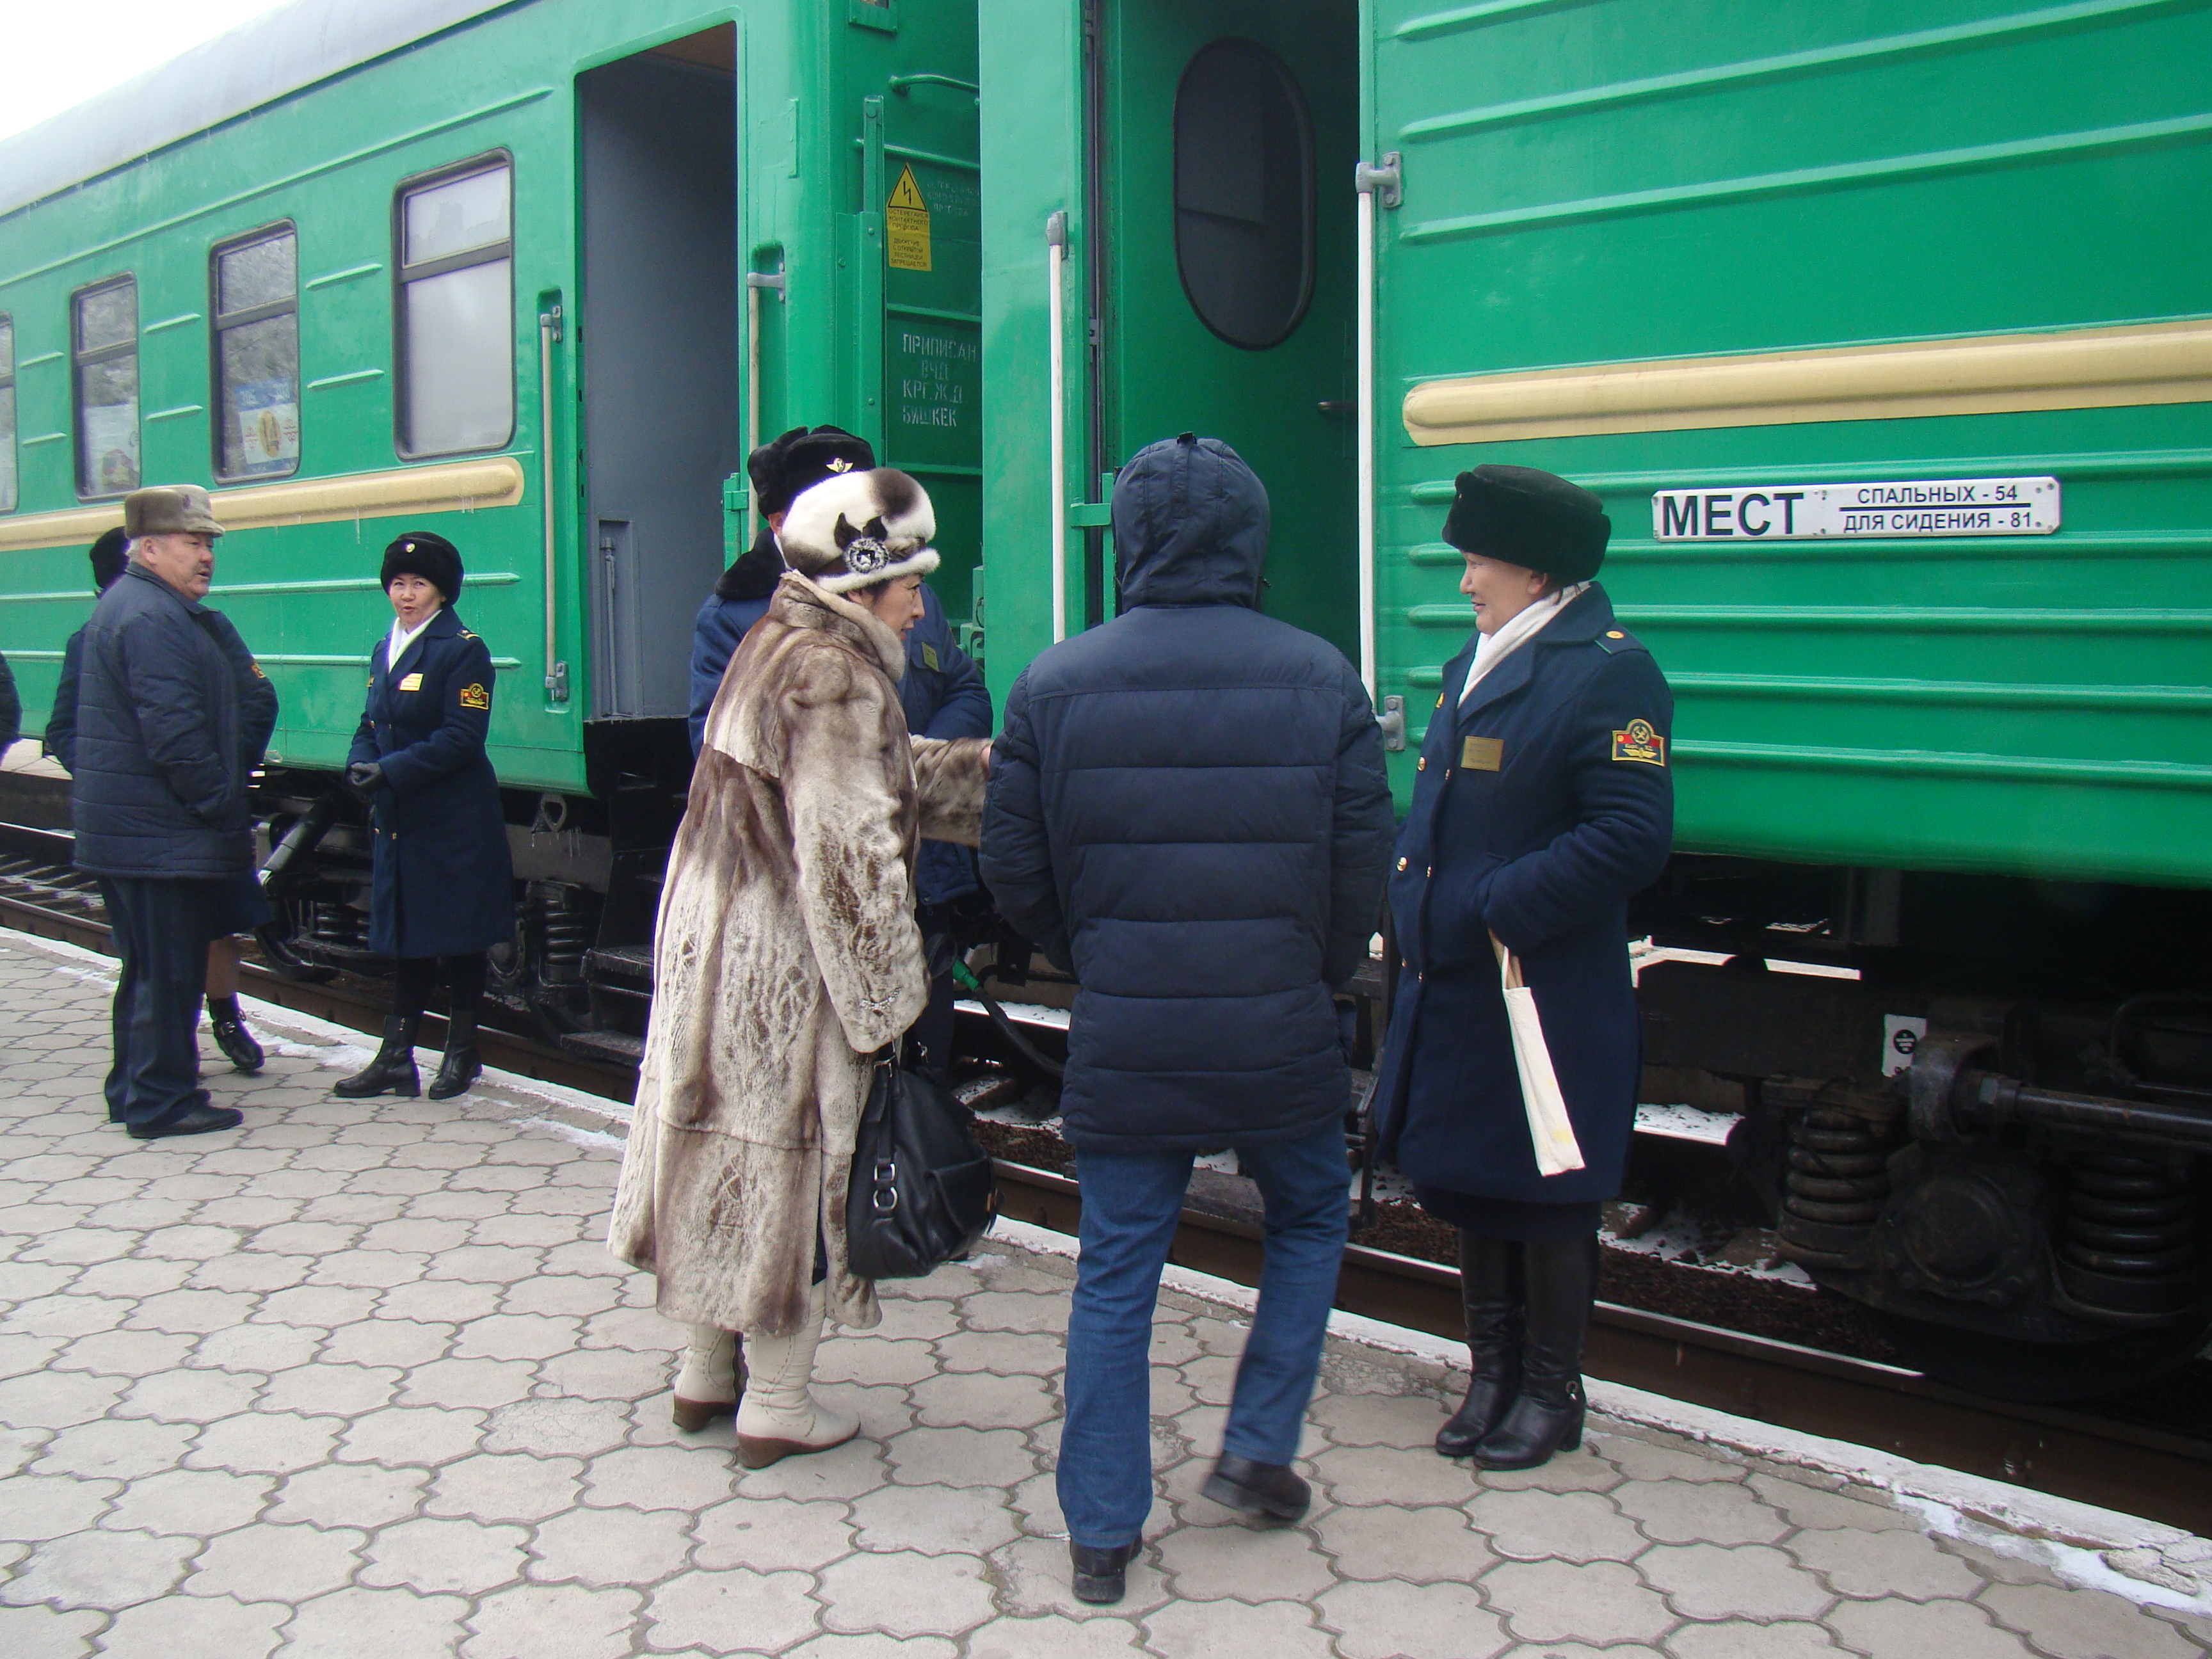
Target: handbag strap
[[1509, 965]]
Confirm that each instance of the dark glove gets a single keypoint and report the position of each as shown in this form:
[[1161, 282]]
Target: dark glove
[[364, 778]]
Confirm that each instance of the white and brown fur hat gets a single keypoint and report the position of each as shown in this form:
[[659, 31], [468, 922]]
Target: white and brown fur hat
[[860, 528]]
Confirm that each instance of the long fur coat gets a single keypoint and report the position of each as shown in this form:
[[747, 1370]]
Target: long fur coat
[[786, 954]]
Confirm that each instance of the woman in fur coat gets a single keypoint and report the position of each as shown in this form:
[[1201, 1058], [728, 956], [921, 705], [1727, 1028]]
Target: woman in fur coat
[[786, 955]]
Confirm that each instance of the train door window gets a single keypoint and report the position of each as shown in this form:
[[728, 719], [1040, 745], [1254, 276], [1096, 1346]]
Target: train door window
[[105, 343], [256, 304], [6, 414], [456, 322], [1243, 194]]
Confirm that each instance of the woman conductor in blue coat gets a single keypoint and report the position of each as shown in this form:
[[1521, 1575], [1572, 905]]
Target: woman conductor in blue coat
[[443, 892], [1542, 800]]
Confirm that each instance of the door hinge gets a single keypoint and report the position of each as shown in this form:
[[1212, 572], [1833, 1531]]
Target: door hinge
[[1385, 180], [1391, 719]]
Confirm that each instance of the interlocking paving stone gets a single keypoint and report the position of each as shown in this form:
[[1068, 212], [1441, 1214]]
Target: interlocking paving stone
[[360, 1380]]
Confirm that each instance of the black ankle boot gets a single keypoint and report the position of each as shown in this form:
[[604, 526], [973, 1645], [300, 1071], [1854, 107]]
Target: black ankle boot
[[392, 1072], [1559, 1281], [1490, 1284], [231, 1035], [1101, 1577], [461, 1067]]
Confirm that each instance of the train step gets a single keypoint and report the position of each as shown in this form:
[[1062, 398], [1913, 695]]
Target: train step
[[617, 1047]]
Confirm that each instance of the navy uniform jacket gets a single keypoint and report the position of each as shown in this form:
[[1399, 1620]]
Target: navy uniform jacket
[[942, 690], [444, 882], [12, 707], [1541, 804]]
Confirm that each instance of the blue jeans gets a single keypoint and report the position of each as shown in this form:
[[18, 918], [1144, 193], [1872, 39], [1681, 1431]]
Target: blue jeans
[[1131, 1203]]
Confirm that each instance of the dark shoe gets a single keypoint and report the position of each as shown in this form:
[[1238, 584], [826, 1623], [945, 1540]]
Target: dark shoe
[[231, 1035], [1101, 1577], [1490, 1285], [461, 1067], [192, 1120], [1559, 1281], [392, 1072], [1267, 1489]]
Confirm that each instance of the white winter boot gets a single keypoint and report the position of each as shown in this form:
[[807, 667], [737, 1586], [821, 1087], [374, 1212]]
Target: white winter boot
[[779, 1415], [707, 1386]]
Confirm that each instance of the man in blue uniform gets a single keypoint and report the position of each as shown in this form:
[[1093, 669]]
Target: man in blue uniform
[[942, 690], [1542, 800]]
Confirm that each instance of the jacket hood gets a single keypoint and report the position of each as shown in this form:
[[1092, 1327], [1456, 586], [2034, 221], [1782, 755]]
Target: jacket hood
[[1190, 525]]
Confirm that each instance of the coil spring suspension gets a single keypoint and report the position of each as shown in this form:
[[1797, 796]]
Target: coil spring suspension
[[1833, 1188], [565, 930], [335, 926], [2128, 1237]]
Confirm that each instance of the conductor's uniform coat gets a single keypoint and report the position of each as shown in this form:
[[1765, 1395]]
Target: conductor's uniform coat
[[1541, 803], [444, 882]]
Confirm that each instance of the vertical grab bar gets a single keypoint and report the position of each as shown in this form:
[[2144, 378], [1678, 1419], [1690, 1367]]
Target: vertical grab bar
[[1056, 237], [1371, 182], [556, 671], [755, 282]]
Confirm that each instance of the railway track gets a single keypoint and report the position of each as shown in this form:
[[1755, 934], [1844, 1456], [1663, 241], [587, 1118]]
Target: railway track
[[2157, 1473]]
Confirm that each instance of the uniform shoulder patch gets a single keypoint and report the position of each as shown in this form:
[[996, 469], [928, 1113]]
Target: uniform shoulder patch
[[466, 634], [258, 674], [929, 658], [1639, 742], [473, 696]]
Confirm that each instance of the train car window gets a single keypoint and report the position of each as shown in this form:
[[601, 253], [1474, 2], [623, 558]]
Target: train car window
[[7, 413], [456, 322], [105, 345], [256, 304], [1243, 194]]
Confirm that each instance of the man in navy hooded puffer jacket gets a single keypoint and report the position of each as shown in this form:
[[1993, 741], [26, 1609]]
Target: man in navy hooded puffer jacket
[[1188, 809]]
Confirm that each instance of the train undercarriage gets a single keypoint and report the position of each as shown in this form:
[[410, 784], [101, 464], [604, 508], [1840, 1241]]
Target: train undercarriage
[[1980, 1108]]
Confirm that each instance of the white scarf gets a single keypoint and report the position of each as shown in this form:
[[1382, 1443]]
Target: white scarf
[[402, 637], [1491, 649]]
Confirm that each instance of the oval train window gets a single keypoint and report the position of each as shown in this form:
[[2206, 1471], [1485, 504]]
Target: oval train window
[[1243, 194]]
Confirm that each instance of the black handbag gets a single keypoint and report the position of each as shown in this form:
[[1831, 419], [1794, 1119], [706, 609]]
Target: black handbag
[[922, 1190]]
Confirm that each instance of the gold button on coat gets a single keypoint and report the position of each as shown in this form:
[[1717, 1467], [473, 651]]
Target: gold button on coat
[[1402, 864]]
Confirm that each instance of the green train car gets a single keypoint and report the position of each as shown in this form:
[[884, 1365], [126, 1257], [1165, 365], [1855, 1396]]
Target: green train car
[[1881, 328]]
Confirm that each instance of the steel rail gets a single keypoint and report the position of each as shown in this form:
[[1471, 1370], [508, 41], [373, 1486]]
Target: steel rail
[[2133, 1468]]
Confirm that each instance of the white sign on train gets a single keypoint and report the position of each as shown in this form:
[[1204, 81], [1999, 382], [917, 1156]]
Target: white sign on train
[[1804, 512]]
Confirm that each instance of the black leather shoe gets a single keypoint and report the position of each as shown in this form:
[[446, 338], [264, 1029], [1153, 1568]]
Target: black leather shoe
[[461, 1067], [392, 1072], [1490, 1285], [231, 1035], [1265, 1489], [1101, 1577], [1560, 1280], [192, 1120]]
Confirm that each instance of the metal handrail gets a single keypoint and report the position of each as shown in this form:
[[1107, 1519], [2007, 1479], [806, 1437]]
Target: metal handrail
[[556, 671]]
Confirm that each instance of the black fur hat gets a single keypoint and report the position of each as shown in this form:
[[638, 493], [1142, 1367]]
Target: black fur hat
[[109, 555], [424, 553], [1529, 517], [784, 468]]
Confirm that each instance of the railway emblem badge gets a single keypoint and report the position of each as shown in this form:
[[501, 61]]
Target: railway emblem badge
[[1640, 743], [475, 696], [838, 464]]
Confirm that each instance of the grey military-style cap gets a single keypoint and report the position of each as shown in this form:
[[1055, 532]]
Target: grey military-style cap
[[169, 510]]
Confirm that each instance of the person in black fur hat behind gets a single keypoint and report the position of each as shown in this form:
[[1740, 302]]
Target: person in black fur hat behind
[[442, 893], [780, 470], [1542, 800]]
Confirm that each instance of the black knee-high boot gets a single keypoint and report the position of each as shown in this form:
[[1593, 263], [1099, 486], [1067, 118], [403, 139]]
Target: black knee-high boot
[[1490, 1285], [1559, 1281]]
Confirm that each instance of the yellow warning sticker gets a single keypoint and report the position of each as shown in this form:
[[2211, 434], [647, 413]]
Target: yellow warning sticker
[[906, 225]]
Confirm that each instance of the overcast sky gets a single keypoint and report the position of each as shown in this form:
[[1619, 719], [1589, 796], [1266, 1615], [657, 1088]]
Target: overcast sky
[[60, 53]]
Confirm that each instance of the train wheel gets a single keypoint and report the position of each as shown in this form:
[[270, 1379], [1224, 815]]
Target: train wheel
[[2047, 1373]]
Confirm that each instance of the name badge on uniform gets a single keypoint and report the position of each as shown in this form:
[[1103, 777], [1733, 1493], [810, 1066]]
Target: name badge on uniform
[[1482, 754], [412, 682], [929, 658]]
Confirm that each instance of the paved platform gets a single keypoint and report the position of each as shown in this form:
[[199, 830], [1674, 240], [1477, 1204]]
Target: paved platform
[[360, 1379]]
